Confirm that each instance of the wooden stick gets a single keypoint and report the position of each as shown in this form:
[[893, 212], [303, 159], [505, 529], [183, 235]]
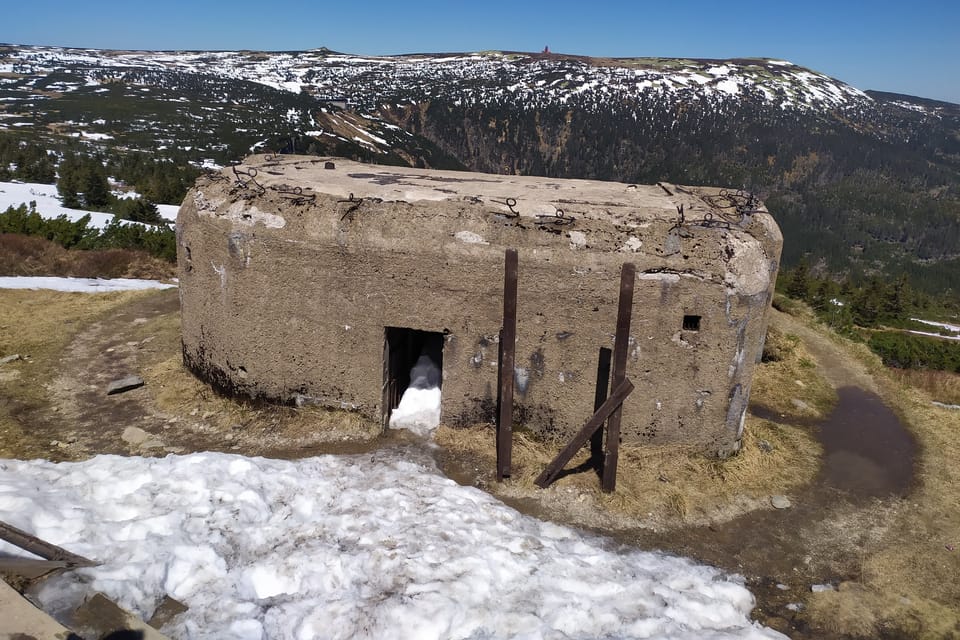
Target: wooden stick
[[42, 548], [620, 346], [603, 387], [508, 343]]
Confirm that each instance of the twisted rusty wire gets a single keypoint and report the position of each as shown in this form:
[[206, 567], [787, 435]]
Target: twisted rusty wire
[[555, 221]]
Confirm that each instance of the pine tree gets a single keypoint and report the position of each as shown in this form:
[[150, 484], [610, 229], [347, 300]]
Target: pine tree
[[799, 285]]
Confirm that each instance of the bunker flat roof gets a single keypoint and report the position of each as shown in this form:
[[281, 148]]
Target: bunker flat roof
[[524, 196]]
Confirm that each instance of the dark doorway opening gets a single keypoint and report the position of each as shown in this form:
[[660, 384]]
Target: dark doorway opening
[[403, 349]]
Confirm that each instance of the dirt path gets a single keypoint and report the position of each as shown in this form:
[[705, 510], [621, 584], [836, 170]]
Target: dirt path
[[110, 348], [836, 367]]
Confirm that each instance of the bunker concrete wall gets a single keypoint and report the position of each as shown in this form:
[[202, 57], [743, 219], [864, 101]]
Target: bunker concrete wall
[[288, 300]]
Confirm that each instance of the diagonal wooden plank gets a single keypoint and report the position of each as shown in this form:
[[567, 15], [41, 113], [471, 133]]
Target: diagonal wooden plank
[[36, 546], [620, 392]]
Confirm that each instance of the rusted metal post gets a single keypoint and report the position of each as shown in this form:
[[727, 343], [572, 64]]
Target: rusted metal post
[[603, 385], [508, 343], [620, 346], [611, 404]]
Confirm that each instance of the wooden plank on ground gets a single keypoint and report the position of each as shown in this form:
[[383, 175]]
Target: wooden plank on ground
[[47, 551], [620, 392], [30, 567]]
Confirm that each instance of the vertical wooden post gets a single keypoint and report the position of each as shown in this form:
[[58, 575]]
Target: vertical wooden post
[[620, 346], [508, 343], [603, 383]]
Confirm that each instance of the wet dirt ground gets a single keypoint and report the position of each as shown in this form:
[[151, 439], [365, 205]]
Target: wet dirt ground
[[867, 468]]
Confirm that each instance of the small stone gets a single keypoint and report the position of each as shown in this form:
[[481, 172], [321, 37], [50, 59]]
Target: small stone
[[780, 502], [800, 384], [124, 384], [800, 404], [764, 446], [820, 588], [783, 587], [135, 435], [795, 606], [11, 358]]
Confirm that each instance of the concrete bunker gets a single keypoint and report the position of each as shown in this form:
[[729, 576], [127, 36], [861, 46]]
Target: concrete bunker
[[318, 280]]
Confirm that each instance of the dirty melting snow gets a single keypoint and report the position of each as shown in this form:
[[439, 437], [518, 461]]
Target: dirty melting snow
[[81, 285], [419, 407], [378, 545]]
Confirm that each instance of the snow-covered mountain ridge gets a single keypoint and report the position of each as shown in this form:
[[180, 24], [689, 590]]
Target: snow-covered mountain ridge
[[528, 79]]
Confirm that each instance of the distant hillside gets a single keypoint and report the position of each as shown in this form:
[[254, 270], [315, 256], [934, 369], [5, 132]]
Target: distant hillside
[[860, 182]]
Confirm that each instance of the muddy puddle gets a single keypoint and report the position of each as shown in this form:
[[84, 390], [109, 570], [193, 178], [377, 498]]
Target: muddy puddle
[[867, 452]]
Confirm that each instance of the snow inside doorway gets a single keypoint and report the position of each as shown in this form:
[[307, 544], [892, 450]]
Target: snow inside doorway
[[413, 372]]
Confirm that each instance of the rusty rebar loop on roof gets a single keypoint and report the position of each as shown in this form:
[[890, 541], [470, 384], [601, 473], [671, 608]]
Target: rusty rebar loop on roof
[[510, 203], [356, 202], [744, 203], [710, 219], [247, 179], [294, 194], [558, 219]]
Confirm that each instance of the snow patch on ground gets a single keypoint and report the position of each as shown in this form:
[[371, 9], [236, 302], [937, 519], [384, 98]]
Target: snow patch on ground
[[379, 545], [14, 194], [419, 407], [943, 325], [80, 285]]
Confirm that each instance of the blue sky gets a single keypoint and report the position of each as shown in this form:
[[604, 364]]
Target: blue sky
[[905, 47]]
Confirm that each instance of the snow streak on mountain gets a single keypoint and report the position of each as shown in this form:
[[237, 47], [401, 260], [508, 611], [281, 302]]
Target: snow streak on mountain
[[533, 80]]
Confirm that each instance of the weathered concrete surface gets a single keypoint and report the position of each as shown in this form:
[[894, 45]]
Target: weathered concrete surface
[[19, 619], [288, 278]]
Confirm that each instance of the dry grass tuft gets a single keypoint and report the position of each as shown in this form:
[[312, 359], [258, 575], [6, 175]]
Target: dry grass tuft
[[862, 612], [942, 386], [851, 610], [663, 486], [178, 393]]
